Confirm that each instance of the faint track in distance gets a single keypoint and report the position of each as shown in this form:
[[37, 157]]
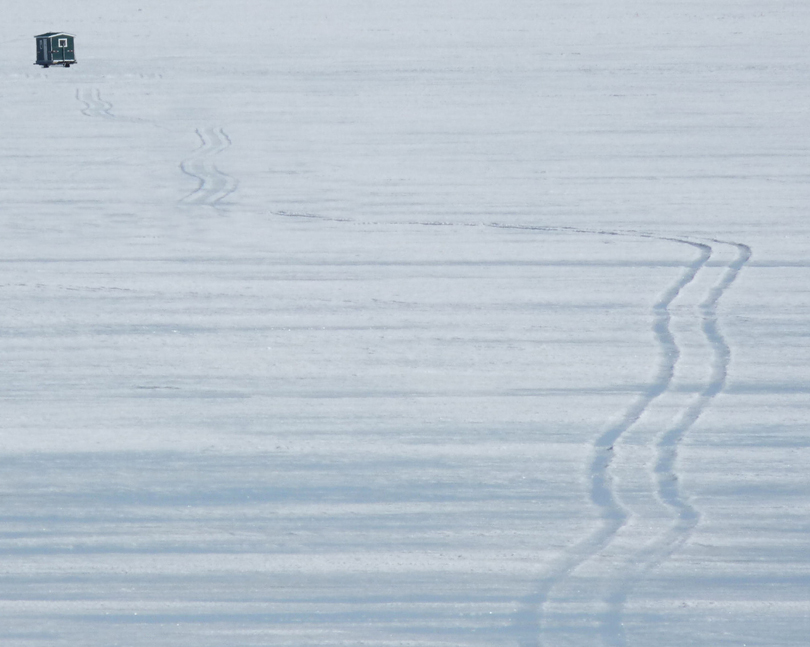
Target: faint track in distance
[[94, 105], [213, 185]]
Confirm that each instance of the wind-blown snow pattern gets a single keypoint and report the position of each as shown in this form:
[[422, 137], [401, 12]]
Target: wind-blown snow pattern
[[405, 324]]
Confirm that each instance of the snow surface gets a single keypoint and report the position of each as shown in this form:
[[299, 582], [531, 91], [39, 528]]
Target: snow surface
[[423, 323]]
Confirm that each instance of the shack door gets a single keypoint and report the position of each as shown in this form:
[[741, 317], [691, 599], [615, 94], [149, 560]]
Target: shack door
[[60, 51], [41, 50]]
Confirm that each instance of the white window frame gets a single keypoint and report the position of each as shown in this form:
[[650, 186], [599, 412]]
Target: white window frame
[[63, 42]]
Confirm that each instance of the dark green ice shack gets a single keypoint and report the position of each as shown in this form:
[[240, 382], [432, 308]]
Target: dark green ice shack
[[55, 48]]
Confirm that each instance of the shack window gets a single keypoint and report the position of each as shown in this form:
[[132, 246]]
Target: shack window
[[63, 42]]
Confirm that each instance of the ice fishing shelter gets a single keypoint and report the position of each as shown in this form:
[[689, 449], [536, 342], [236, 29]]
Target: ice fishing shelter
[[55, 48]]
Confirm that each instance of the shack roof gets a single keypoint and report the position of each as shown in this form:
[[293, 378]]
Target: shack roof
[[51, 34]]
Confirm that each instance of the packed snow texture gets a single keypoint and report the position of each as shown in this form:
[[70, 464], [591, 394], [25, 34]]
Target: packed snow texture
[[429, 323]]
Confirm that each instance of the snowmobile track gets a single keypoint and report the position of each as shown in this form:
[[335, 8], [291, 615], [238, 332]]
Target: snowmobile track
[[685, 516], [95, 106], [531, 622], [213, 184]]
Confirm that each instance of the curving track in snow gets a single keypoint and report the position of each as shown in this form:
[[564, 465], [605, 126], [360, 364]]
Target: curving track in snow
[[554, 613], [94, 105], [533, 620], [684, 516], [644, 517], [213, 185], [615, 555]]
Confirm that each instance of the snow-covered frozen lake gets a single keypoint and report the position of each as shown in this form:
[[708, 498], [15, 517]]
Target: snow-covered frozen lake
[[406, 324]]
